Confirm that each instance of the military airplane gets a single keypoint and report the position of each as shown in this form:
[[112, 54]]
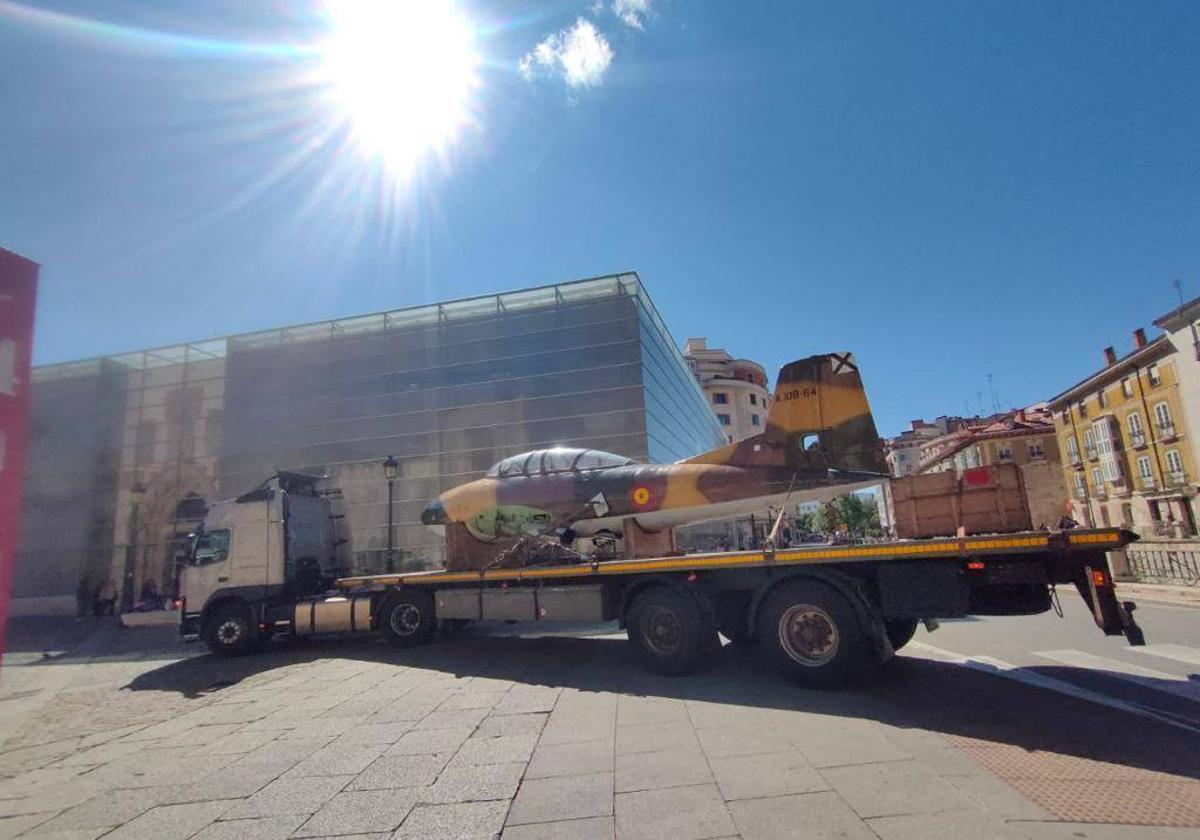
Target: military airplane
[[820, 441]]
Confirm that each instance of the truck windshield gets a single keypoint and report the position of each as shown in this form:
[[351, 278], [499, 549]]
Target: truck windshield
[[210, 547]]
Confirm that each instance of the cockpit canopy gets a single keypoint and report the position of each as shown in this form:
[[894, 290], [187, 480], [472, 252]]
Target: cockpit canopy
[[557, 460]]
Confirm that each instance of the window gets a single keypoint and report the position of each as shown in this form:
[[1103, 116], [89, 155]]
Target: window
[[1153, 375], [1126, 387], [724, 418], [1109, 464], [211, 547], [720, 398], [1102, 399], [1162, 418], [1136, 436], [1083, 408], [1097, 480], [1003, 452], [754, 420], [754, 399], [1035, 451], [1145, 471], [1089, 442], [1175, 466], [1080, 485], [1073, 449]]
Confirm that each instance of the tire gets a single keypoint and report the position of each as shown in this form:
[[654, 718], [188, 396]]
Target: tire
[[230, 631], [813, 631], [670, 630], [407, 619], [900, 631]]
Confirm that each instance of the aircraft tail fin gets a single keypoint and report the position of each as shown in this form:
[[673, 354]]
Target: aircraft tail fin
[[819, 416]]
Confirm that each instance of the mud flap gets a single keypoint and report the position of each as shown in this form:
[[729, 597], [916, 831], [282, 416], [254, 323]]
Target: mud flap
[[1111, 616]]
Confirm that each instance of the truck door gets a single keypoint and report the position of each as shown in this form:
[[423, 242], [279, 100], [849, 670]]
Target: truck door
[[206, 565]]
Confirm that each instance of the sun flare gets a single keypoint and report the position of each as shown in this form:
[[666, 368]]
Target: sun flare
[[404, 76]]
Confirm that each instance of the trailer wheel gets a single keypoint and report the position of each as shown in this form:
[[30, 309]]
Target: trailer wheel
[[230, 631], [900, 631], [669, 630], [406, 618], [814, 632]]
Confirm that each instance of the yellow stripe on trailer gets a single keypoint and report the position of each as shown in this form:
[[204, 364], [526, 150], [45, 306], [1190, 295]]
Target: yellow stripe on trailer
[[950, 547]]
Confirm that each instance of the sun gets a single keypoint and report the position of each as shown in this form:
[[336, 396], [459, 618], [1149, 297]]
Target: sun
[[404, 74]]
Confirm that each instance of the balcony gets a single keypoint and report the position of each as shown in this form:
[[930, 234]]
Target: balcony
[[1166, 431], [1148, 482], [1137, 439], [1091, 452], [1080, 493], [1176, 478]]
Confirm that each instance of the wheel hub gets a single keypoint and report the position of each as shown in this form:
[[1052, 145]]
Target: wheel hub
[[405, 620], [663, 631], [808, 634], [229, 631]]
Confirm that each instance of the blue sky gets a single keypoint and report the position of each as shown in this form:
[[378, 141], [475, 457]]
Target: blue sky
[[948, 189]]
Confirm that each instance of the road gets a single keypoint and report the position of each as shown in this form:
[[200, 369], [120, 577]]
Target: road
[[983, 729]]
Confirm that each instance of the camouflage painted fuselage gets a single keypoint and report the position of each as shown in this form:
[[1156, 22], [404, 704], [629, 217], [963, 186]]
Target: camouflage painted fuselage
[[819, 441], [594, 500]]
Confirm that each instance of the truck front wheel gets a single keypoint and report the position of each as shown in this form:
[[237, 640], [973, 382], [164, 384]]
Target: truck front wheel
[[814, 632], [230, 631], [406, 618], [669, 630]]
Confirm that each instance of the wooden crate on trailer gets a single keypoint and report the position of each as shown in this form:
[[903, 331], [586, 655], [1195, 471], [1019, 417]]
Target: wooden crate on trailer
[[983, 500]]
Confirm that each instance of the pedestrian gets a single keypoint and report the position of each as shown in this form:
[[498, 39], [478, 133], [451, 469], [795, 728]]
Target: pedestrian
[[106, 598], [151, 599]]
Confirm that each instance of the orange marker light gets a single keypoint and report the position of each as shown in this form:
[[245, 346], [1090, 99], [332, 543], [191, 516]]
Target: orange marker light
[[976, 565], [1099, 578]]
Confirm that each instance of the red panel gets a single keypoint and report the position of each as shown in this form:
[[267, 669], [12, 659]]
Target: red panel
[[18, 291]]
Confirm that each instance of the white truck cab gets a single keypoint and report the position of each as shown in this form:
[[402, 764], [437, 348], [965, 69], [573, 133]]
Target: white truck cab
[[254, 560]]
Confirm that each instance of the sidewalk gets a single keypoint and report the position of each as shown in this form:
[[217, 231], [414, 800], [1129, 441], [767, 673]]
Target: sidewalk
[[1160, 593], [564, 738]]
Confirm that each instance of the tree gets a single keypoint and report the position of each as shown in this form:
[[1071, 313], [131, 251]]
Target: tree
[[857, 515]]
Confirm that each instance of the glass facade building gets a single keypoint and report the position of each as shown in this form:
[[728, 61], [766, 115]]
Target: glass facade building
[[447, 389]]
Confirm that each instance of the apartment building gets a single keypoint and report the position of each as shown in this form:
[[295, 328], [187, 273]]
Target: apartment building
[[736, 388], [1127, 452]]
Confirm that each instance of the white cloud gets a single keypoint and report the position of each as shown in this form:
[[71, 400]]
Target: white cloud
[[631, 12], [580, 54]]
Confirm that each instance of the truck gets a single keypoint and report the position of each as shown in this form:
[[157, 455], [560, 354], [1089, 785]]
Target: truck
[[265, 564]]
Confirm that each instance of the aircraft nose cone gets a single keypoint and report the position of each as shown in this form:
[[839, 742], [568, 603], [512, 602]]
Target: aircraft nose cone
[[434, 513]]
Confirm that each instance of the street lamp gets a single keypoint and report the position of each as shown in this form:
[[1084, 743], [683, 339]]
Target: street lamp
[[390, 468], [136, 494]]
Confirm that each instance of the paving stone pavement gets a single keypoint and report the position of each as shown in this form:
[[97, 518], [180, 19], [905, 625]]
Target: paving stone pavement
[[519, 739]]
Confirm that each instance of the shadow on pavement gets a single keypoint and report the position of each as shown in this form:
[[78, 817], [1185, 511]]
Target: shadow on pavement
[[908, 693]]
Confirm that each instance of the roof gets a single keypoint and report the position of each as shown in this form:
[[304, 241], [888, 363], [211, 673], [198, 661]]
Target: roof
[[1179, 317], [1155, 350], [1022, 422]]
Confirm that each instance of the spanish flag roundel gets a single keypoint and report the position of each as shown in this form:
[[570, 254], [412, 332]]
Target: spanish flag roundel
[[640, 496]]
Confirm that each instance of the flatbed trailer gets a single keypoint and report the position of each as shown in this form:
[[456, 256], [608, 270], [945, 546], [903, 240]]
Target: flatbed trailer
[[261, 565], [823, 611]]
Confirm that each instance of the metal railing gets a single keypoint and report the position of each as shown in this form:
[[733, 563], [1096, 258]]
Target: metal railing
[[1165, 566], [1091, 452], [1147, 482], [1176, 478], [1137, 439], [1166, 430]]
